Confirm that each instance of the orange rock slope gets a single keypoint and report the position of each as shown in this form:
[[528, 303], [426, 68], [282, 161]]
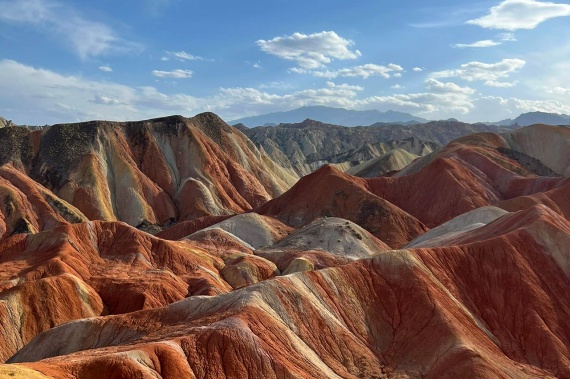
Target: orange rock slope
[[249, 282], [157, 171], [487, 307]]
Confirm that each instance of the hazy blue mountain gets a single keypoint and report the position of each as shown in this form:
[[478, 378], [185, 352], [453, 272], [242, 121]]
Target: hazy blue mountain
[[328, 115], [532, 118]]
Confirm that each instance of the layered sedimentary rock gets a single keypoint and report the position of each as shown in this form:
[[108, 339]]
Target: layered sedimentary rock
[[454, 311], [308, 145], [329, 192], [259, 283], [28, 207], [156, 171]]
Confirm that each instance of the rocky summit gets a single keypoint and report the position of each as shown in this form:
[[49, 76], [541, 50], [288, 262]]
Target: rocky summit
[[187, 248]]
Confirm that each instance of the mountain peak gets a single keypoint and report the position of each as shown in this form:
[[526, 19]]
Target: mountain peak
[[330, 115]]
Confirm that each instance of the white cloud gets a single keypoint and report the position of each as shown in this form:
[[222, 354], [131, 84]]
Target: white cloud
[[558, 90], [311, 51], [417, 69], [38, 96], [508, 37], [100, 99], [435, 86], [256, 65], [484, 43], [520, 14], [501, 84], [237, 102], [277, 85], [31, 95], [426, 103], [490, 73], [87, 38], [501, 108], [364, 71], [175, 74], [181, 56], [396, 86], [105, 68]]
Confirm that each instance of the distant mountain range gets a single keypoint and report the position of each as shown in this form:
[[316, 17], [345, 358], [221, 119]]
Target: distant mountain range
[[346, 117], [329, 115], [532, 118]]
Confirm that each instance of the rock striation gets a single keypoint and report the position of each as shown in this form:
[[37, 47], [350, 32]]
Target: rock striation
[[455, 266], [157, 171]]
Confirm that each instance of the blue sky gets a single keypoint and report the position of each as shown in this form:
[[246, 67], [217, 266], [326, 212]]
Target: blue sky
[[65, 61]]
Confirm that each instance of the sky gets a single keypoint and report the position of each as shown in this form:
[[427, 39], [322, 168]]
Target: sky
[[68, 61]]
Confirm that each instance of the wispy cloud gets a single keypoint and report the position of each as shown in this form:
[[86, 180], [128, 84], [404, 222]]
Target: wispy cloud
[[478, 44], [87, 38], [508, 37], [181, 56], [174, 74], [417, 69], [311, 51], [277, 85], [489, 73], [105, 100], [32, 95], [157, 7], [503, 37], [520, 14], [432, 25], [364, 71], [105, 69], [557, 90], [442, 99]]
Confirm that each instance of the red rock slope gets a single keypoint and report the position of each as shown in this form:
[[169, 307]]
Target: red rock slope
[[248, 296], [26, 206], [492, 306], [89, 269], [159, 171], [329, 192]]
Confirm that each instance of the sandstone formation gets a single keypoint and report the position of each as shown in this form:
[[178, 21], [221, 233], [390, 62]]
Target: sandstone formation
[[157, 171], [331, 193], [28, 207], [393, 161], [174, 248], [306, 146], [465, 304]]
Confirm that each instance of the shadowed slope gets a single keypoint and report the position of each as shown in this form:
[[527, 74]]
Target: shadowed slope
[[557, 199], [395, 160], [157, 171], [549, 144], [26, 206]]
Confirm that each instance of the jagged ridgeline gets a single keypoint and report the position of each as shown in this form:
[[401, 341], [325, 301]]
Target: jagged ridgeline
[[306, 146], [334, 276], [155, 171]]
